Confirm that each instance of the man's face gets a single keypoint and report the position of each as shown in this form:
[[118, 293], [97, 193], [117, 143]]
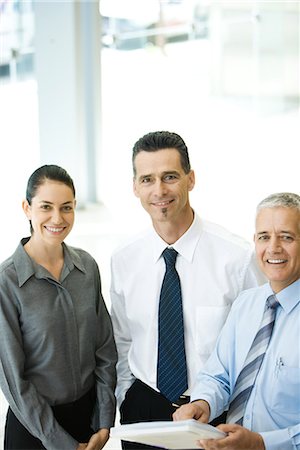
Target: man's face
[[277, 244], [162, 185]]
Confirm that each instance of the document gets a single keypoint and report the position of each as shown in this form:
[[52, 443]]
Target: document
[[169, 435]]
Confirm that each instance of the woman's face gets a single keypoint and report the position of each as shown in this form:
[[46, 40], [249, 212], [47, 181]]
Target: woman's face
[[51, 212]]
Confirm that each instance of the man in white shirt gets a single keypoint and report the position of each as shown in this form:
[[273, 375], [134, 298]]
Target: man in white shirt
[[213, 265]]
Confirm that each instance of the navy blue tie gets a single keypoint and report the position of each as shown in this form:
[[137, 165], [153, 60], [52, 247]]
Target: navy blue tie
[[171, 364]]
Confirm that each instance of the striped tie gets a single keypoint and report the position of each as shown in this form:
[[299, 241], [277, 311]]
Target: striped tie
[[246, 379], [171, 364]]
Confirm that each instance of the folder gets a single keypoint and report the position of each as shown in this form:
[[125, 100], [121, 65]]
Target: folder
[[169, 435]]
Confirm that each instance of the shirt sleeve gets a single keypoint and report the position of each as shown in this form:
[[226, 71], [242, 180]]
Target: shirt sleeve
[[214, 381], [287, 438], [31, 409], [123, 339], [105, 372]]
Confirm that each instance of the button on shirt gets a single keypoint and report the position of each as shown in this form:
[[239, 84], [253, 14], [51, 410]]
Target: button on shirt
[[56, 340], [273, 408], [214, 266]]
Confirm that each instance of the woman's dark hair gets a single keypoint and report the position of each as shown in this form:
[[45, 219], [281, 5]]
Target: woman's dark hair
[[47, 172]]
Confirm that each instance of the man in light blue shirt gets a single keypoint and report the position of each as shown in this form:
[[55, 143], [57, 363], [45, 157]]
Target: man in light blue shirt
[[271, 416]]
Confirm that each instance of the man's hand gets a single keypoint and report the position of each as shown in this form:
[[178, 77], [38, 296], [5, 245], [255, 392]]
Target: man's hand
[[198, 410], [97, 441], [239, 438]]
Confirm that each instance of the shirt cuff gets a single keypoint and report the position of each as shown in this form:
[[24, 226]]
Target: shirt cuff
[[60, 441], [213, 412], [277, 440]]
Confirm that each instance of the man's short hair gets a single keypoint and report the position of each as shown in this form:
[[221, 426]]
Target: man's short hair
[[160, 140], [280, 199]]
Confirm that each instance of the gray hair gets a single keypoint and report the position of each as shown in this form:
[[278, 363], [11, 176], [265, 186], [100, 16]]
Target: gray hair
[[281, 199]]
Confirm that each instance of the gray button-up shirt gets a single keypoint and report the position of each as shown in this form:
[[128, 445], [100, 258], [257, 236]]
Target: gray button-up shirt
[[56, 342]]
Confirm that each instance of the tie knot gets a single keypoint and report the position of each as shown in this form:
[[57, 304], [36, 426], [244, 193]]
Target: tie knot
[[170, 255], [272, 302]]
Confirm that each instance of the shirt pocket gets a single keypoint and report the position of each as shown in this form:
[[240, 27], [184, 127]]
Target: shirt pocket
[[209, 323], [286, 390]]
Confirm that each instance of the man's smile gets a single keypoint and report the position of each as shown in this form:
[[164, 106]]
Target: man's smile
[[162, 204], [276, 261]]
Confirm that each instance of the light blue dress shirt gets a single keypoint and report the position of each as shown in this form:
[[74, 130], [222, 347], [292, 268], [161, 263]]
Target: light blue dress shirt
[[273, 408]]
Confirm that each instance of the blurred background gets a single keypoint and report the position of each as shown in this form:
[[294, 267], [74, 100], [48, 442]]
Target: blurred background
[[81, 81]]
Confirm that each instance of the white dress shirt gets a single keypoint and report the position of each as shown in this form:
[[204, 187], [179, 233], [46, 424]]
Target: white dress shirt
[[214, 266]]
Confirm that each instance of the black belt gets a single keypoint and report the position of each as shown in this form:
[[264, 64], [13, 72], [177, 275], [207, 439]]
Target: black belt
[[182, 400]]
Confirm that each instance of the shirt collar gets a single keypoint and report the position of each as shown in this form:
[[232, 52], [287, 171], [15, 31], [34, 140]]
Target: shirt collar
[[23, 263], [25, 267], [185, 245], [289, 297], [72, 258]]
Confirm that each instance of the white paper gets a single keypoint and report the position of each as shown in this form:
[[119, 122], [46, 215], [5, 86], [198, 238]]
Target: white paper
[[170, 435]]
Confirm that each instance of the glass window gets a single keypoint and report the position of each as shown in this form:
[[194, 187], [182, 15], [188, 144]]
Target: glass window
[[16, 37], [226, 78]]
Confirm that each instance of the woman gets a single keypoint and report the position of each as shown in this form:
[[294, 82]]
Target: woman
[[57, 348]]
